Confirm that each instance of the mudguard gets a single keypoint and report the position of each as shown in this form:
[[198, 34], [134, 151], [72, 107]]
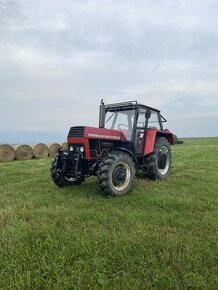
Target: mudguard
[[150, 137]]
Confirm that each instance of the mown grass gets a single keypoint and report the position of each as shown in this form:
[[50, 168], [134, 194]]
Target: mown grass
[[161, 235]]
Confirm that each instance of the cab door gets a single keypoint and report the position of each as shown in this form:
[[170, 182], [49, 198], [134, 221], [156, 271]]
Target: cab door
[[140, 132]]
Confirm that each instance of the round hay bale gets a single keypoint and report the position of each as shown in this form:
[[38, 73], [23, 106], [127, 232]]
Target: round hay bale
[[53, 149], [64, 146], [24, 152], [40, 151], [7, 152]]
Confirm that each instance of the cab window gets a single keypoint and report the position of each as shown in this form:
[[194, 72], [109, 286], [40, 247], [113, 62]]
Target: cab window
[[153, 122], [122, 121]]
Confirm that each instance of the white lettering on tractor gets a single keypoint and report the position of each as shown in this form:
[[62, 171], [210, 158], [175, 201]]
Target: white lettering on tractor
[[104, 136]]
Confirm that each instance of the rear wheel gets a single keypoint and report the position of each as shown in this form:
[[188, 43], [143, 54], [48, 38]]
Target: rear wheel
[[158, 163], [61, 180], [116, 174]]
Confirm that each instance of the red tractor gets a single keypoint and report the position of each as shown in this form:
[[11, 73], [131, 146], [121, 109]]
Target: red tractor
[[130, 136]]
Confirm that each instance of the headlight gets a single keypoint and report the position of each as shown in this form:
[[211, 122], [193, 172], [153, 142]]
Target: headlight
[[81, 149], [71, 148]]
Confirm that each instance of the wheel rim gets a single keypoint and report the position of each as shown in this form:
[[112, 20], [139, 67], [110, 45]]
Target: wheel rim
[[120, 176], [163, 160]]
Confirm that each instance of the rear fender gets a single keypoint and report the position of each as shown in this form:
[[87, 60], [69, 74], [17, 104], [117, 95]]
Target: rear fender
[[150, 138], [168, 135]]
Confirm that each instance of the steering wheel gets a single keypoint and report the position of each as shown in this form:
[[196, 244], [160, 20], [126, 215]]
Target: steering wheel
[[122, 125]]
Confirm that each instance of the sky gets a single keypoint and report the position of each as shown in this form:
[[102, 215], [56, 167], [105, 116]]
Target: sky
[[58, 59]]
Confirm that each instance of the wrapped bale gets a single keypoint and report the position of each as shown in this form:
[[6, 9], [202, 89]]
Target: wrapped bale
[[24, 152], [64, 146], [53, 149], [40, 151], [7, 152]]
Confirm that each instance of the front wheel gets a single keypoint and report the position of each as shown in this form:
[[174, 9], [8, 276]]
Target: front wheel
[[116, 174], [158, 163], [61, 180]]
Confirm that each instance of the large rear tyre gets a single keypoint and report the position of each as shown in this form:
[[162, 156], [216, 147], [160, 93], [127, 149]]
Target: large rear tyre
[[61, 180], [158, 164], [116, 174]]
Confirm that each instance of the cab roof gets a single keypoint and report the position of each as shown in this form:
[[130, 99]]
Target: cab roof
[[127, 106]]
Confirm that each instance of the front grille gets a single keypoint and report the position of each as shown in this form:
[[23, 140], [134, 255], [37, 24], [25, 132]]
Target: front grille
[[76, 132]]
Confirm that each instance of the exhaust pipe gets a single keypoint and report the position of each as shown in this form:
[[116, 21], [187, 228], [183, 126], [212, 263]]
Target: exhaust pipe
[[102, 114]]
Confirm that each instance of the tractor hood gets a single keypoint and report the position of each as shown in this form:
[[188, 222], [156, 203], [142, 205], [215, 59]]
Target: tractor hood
[[95, 133]]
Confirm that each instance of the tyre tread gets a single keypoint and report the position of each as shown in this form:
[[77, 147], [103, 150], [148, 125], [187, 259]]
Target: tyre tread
[[103, 173]]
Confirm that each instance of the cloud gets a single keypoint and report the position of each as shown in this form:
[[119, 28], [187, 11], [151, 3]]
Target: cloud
[[58, 59]]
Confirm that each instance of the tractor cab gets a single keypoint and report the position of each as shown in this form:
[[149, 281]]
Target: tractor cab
[[133, 120]]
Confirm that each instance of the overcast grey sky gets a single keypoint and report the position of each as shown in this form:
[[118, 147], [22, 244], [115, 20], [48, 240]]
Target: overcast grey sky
[[59, 58]]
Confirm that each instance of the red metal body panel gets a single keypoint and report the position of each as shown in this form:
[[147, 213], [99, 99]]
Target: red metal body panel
[[150, 137], [96, 133], [84, 141], [169, 136], [115, 135], [104, 134]]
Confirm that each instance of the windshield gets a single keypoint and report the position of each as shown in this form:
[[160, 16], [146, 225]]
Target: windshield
[[153, 121], [122, 121]]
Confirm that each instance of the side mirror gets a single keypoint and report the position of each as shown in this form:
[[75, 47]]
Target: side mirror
[[148, 114]]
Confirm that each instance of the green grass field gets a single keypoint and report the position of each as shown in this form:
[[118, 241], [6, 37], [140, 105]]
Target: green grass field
[[200, 141], [163, 235]]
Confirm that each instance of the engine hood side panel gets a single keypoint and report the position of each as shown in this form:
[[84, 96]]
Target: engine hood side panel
[[103, 134]]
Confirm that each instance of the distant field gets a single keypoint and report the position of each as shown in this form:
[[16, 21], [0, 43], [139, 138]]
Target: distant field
[[200, 141], [163, 235]]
